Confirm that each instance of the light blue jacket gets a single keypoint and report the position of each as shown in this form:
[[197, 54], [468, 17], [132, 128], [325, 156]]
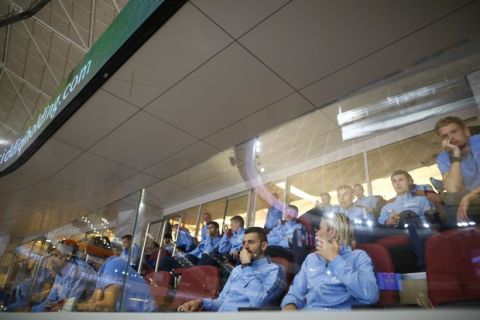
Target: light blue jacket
[[234, 243], [407, 201], [75, 280], [354, 213], [207, 246], [346, 280], [282, 234], [184, 239], [250, 287], [274, 217], [367, 201]]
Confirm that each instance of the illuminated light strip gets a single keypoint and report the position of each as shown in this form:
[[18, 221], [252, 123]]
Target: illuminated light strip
[[298, 192]]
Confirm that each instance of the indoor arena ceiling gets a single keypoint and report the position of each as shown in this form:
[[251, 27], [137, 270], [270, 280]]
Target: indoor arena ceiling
[[216, 74]]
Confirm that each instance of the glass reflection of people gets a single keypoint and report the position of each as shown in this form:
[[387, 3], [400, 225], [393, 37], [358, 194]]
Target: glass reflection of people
[[137, 296], [256, 283], [335, 276], [459, 164], [128, 246], [368, 203], [74, 277], [407, 210], [274, 213], [346, 205]]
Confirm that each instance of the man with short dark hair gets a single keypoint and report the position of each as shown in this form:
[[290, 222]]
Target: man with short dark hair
[[205, 248], [207, 217], [74, 277], [231, 242], [346, 205], [256, 283], [128, 246]]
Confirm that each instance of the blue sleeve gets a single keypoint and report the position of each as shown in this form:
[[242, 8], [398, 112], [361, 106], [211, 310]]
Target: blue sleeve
[[359, 279], [443, 162], [384, 214], [298, 289], [211, 244], [275, 236], [225, 245], [215, 304], [236, 243], [52, 297], [260, 291]]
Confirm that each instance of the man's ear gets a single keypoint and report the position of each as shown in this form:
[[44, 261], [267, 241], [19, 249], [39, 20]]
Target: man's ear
[[332, 234], [466, 130], [264, 246]]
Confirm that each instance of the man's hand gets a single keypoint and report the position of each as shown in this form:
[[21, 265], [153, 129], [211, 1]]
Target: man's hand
[[328, 249], [453, 149], [245, 256], [235, 254], [393, 219], [290, 307], [191, 306], [462, 209]]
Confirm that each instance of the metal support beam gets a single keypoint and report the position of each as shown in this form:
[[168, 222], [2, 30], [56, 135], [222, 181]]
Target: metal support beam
[[92, 23], [19, 96], [7, 40], [35, 44], [115, 4], [19, 78], [72, 23]]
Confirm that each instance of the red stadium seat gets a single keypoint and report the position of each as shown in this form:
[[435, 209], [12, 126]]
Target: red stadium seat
[[160, 284], [400, 249], [287, 266], [453, 266], [384, 272], [196, 282]]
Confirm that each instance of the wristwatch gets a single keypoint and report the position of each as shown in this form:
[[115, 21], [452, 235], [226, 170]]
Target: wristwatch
[[456, 159], [244, 265]]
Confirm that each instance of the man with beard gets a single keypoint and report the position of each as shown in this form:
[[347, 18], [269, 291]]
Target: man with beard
[[256, 283]]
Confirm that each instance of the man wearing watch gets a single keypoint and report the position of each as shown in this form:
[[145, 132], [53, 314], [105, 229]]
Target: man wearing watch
[[459, 163], [256, 283]]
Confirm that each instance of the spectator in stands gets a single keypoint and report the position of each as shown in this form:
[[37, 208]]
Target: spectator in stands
[[335, 276], [137, 296], [231, 242], [194, 257], [22, 287], [459, 164], [325, 205], [368, 203], [184, 240], [407, 210], [128, 246], [274, 214], [74, 277], [280, 238], [256, 283], [346, 205], [207, 217]]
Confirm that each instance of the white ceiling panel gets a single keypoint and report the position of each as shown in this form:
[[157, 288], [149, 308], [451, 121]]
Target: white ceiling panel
[[17, 180], [47, 193], [179, 196], [308, 40], [440, 35], [142, 141], [89, 174], [186, 41], [163, 190], [237, 17], [218, 182], [101, 114], [51, 157], [231, 86], [205, 170], [286, 109], [14, 205], [182, 160]]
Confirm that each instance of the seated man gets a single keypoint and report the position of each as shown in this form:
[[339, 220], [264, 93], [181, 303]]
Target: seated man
[[256, 283], [346, 205], [280, 238], [207, 217], [459, 163], [137, 296], [335, 276], [184, 241], [128, 246], [231, 242], [198, 256], [325, 205], [274, 213], [74, 277], [407, 210], [369, 203]]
